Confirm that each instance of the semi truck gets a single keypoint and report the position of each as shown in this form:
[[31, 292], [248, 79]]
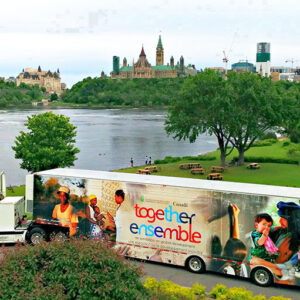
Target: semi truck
[[199, 224]]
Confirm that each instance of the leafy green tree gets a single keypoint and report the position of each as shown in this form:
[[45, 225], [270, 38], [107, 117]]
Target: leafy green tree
[[255, 108], [53, 97], [291, 110], [202, 107], [48, 144]]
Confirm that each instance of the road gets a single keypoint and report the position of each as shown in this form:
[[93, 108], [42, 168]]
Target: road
[[183, 277]]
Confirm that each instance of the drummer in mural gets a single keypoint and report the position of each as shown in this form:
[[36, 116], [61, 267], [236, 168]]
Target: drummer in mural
[[95, 217]]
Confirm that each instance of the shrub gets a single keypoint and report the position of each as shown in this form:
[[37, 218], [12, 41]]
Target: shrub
[[170, 159], [269, 135], [261, 159], [165, 289], [72, 270], [263, 143], [286, 143], [218, 291]]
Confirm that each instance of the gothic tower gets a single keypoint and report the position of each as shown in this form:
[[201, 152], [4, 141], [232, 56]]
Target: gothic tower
[[124, 62], [159, 53], [172, 62]]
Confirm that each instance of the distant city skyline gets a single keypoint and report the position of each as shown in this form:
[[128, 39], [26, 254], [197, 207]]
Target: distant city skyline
[[80, 37]]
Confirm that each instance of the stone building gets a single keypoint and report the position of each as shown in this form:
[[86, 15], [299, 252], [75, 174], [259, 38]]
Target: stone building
[[143, 69], [49, 80]]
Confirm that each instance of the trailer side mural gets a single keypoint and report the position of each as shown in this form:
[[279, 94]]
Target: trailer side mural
[[237, 234]]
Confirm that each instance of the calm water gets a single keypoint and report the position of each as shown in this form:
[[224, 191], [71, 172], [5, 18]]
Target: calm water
[[107, 139]]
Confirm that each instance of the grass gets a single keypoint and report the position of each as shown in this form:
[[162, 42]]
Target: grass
[[270, 173], [15, 191]]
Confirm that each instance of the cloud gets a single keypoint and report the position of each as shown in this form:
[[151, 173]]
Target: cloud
[[81, 36]]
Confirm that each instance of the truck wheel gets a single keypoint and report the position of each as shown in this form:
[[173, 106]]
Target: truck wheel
[[195, 264], [262, 277], [59, 236], [37, 235]]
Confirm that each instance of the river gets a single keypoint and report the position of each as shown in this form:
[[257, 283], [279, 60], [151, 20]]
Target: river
[[107, 138]]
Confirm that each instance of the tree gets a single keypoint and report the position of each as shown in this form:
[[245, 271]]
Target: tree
[[256, 107], [53, 97], [48, 144], [202, 107]]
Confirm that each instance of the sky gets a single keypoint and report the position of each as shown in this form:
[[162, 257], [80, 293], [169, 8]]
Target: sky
[[80, 37]]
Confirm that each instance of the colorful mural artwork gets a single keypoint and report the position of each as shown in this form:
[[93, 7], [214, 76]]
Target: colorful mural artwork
[[232, 233]]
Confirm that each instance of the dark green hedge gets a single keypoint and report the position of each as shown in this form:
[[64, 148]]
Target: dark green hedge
[[71, 270]]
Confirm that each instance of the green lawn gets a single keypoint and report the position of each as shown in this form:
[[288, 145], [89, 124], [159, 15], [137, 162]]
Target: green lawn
[[15, 191], [269, 173]]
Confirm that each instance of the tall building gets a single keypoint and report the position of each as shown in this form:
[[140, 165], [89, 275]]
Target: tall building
[[49, 80], [143, 69], [159, 53], [263, 59]]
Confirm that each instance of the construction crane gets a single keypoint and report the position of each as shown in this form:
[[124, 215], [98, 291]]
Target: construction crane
[[292, 61], [225, 60]]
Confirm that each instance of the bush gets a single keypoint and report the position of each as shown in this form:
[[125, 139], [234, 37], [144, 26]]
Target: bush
[[286, 143], [170, 159], [263, 143], [165, 289], [72, 270], [269, 135], [261, 159]]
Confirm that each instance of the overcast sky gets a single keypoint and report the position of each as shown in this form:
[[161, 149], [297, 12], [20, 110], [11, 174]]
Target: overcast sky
[[80, 36]]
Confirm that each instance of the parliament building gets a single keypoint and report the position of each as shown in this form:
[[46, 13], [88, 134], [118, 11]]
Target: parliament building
[[143, 69]]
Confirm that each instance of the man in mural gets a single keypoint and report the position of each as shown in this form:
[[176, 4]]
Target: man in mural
[[116, 221], [95, 217], [64, 212]]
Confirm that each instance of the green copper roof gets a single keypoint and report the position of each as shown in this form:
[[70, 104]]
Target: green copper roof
[[162, 68], [125, 69], [159, 44], [156, 68]]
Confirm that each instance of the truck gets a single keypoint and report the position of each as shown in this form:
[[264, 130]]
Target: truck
[[238, 229]]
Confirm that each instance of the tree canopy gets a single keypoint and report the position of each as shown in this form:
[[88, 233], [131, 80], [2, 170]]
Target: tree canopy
[[203, 106], [12, 95], [127, 92], [48, 144], [237, 111]]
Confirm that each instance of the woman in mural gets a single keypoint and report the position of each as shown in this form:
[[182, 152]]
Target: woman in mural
[[287, 239], [64, 212], [95, 217]]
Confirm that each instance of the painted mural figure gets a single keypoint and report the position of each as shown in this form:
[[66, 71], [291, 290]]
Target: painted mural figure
[[287, 240], [95, 217], [64, 212], [264, 247], [234, 247], [119, 199]]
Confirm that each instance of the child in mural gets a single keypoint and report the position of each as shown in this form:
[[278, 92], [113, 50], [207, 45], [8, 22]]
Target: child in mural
[[264, 248], [95, 217], [116, 221], [64, 212]]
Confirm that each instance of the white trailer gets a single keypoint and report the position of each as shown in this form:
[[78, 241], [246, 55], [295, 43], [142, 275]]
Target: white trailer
[[12, 210]]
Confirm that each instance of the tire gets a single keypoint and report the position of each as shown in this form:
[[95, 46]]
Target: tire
[[262, 277], [36, 235], [59, 236], [195, 264]]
